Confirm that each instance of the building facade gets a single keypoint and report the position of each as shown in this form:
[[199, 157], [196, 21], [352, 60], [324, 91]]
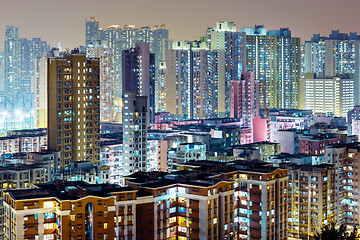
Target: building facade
[[235, 203], [327, 94], [311, 199], [135, 118], [192, 82], [336, 54], [230, 46], [274, 57], [139, 74], [74, 108], [244, 97], [345, 158]]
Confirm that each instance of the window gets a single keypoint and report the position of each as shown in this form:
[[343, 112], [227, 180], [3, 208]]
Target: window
[[182, 209], [49, 204], [48, 225], [48, 237], [172, 220], [48, 215], [172, 210]]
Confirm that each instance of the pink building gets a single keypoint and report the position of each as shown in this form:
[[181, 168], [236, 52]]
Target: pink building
[[163, 117], [246, 135], [315, 145], [161, 126], [261, 129], [355, 128], [244, 98]]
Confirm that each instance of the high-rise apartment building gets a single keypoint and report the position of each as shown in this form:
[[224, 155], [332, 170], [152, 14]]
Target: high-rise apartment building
[[112, 35], [288, 68], [31, 51], [261, 51], [244, 99], [274, 57], [40, 93], [101, 50], [103, 45], [120, 39], [179, 94], [159, 46], [135, 120], [74, 108], [40, 90], [204, 82], [108, 108], [92, 31], [346, 159], [139, 74], [327, 94], [2, 72], [335, 55], [20, 56], [160, 88], [12, 77], [231, 49], [192, 82], [311, 199]]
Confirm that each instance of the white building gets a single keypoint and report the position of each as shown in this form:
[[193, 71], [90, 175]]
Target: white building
[[186, 152], [111, 155], [327, 94]]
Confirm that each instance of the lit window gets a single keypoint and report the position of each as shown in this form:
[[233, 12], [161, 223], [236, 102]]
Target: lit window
[[48, 225], [182, 229], [49, 204]]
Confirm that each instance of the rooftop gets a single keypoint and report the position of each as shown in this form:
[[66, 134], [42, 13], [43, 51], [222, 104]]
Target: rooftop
[[66, 190]]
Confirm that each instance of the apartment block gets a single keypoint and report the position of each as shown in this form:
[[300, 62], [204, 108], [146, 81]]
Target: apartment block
[[205, 200], [69, 210], [184, 153], [327, 94], [316, 144], [74, 108], [135, 119], [20, 177], [311, 199], [244, 99], [346, 159]]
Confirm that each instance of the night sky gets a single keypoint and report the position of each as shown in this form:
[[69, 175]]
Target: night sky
[[64, 20]]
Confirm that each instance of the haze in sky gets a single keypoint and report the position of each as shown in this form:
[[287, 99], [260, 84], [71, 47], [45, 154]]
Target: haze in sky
[[64, 21]]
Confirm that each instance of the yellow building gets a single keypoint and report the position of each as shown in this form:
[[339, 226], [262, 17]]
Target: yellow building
[[311, 199], [68, 210], [74, 108], [327, 94]]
